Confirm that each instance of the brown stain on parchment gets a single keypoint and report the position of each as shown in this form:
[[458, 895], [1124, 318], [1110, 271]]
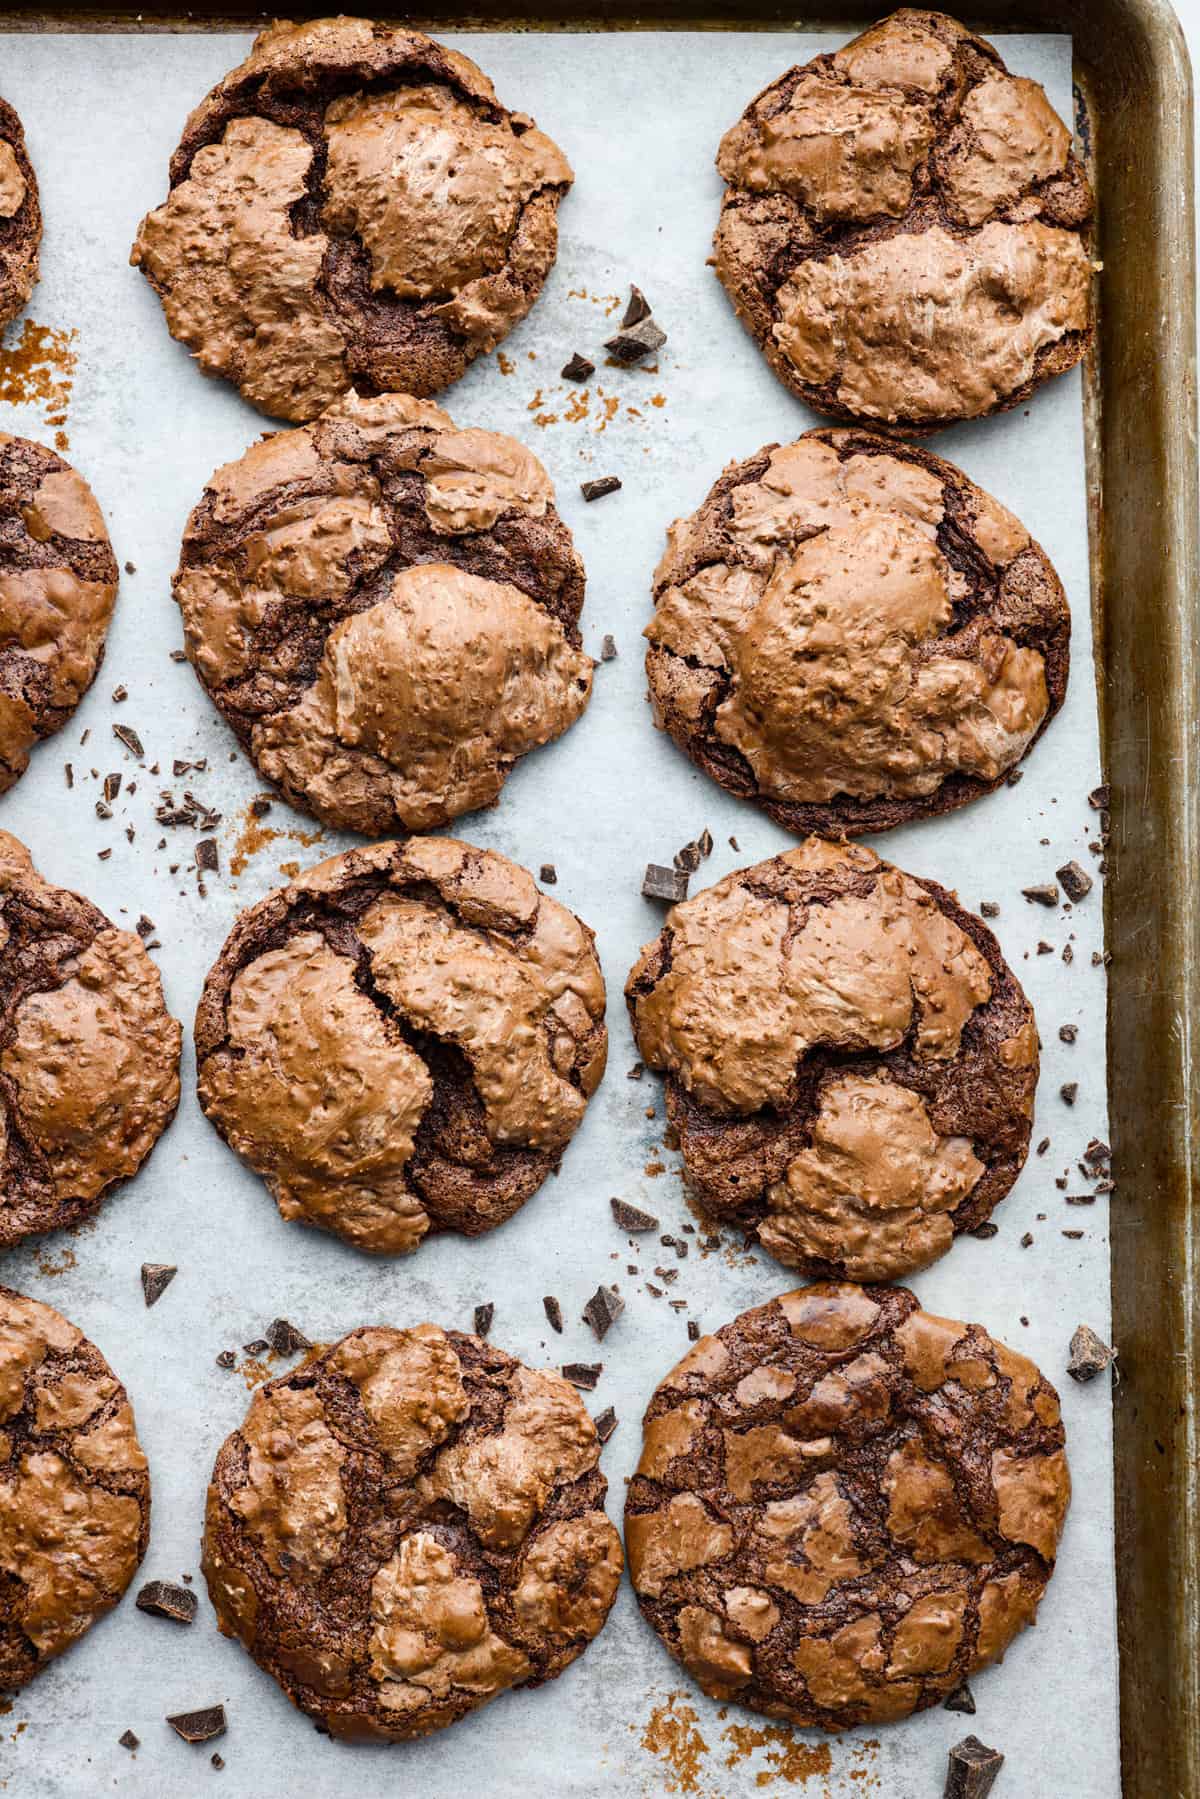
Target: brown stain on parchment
[[39, 370], [255, 836], [671, 1734], [50, 1265], [786, 1757]]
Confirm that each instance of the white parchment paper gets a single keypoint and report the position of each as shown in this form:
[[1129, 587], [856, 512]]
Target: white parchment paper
[[640, 116]]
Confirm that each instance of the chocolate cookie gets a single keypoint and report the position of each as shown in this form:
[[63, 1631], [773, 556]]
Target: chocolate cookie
[[74, 1491], [845, 1506], [386, 610], [403, 1041], [89, 1054], [852, 634], [407, 1525], [352, 207], [904, 228], [20, 218], [58, 583], [850, 1062]]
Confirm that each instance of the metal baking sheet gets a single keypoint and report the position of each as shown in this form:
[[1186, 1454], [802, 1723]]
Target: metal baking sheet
[[640, 117]]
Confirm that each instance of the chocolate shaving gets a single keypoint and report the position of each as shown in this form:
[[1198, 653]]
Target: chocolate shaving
[[603, 484], [199, 1726], [256, 1346], [284, 1338], [582, 1374], [688, 858], [1090, 1355], [694, 1330], [577, 368], [112, 787], [1045, 895], [638, 308], [632, 1218], [207, 856], [166, 1600], [602, 1310], [606, 1423], [608, 648], [553, 1313], [156, 1278], [483, 1318], [972, 1770], [659, 883], [129, 737]]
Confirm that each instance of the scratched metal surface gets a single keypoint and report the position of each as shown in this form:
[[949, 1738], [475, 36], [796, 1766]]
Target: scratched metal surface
[[102, 114]]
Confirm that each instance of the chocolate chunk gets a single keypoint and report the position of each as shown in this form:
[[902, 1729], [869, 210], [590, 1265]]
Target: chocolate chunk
[[596, 490], [608, 649], [1069, 1092], [972, 1770], [1045, 895], [156, 1278], [483, 1318], [688, 858], [144, 927], [129, 737], [226, 1359], [548, 874], [577, 368], [553, 1313], [284, 1338], [199, 1726], [1098, 798], [1077, 881], [960, 1700], [638, 308], [1067, 1033], [659, 883], [694, 1330], [632, 1218], [606, 1423], [989, 909], [1097, 1151], [127, 1740], [1090, 1355], [256, 1346], [207, 856], [602, 1310], [582, 1374], [167, 1601], [640, 340]]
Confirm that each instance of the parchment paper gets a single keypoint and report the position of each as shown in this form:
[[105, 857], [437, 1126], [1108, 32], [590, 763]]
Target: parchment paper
[[640, 116]]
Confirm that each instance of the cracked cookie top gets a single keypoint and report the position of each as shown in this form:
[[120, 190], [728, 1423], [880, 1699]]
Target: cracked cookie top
[[89, 1054], [904, 228], [845, 1506], [407, 1525], [386, 610], [74, 1491], [850, 1064], [403, 1041], [351, 207], [58, 585], [852, 634], [20, 217]]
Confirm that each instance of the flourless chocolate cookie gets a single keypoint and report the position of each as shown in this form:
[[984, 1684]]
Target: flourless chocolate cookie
[[386, 610], [403, 1041], [904, 229], [407, 1525], [845, 1506], [351, 207], [89, 1054], [58, 583], [850, 1063], [20, 218], [74, 1491], [852, 634]]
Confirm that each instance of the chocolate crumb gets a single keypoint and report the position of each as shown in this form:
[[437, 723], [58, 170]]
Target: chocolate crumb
[[985, 1232], [1014, 777], [960, 1700], [166, 1600], [1069, 1093], [638, 308], [1045, 949], [218, 1761], [639, 341], [632, 1218], [660, 883], [694, 1330], [1074, 1235], [553, 1313], [1068, 954], [989, 909], [260, 805], [1067, 1033], [103, 811], [1043, 1146], [548, 874], [1027, 1240], [1090, 1355], [602, 1310], [972, 1770], [129, 737], [688, 858], [636, 1072], [582, 1374], [256, 1346], [1098, 798], [1076, 880], [103, 855], [483, 1318], [207, 856], [284, 1338], [577, 368], [226, 1359], [606, 1423], [597, 489], [144, 927], [199, 1726], [119, 694], [1081, 1199], [112, 787], [178, 655], [1044, 895], [127, 1740], [735, 845], [156, 1278], [608, 648], [130, 568]]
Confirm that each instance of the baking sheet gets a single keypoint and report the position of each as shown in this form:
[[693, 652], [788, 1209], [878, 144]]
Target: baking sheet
[[102, 114]]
